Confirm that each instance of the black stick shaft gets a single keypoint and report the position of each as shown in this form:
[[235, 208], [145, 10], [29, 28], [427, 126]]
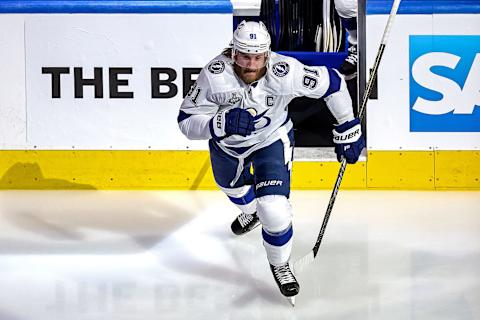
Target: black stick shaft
[[361, 113], [343, 165]]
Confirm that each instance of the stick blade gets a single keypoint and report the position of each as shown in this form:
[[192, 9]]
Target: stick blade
[[302, 263]]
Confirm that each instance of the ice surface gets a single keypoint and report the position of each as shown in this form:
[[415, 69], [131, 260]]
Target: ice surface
[[170, 255]]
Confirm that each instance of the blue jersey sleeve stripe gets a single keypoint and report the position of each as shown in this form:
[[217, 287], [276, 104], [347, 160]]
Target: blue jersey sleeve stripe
[[424, 6], [182, 116], [246, 199], [335, 82], [278, 240], [105, 6]]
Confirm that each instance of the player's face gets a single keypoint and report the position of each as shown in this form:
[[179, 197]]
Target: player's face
[[250, 67]]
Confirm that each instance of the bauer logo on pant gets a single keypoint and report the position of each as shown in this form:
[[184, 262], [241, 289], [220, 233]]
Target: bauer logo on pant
[[269, 183], [444, 83]]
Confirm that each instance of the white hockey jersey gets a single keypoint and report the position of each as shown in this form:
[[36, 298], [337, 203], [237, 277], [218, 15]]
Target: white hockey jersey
[[218, 88]]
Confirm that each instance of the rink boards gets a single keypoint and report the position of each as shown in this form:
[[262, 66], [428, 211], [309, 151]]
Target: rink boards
[[89, 101], [190, 170]]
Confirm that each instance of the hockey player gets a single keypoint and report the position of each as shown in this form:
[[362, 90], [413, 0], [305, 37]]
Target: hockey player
[[347, 10], [239, 103]]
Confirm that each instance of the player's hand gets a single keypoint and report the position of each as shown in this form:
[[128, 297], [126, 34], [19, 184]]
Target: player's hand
[[349, 140], [230, 122]]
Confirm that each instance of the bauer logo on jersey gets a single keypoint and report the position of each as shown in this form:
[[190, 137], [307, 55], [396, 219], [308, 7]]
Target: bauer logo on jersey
[[280, 69], [216, 66], [444, 83]]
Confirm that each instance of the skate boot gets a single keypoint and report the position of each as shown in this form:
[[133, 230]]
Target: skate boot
[[285, 280], [349, 66], [245, 223]]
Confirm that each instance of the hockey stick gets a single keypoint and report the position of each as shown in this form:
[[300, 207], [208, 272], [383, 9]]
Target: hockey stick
[[301, 263]]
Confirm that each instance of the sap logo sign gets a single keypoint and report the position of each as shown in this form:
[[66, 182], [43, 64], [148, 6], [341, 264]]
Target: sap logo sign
[[456, 99], [444, 83]]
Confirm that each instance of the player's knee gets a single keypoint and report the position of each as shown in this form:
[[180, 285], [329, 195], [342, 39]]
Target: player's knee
[[275, 213]]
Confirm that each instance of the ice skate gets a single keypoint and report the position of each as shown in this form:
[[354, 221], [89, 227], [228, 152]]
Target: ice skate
[[286, 281], [349, 66], [245, 223]]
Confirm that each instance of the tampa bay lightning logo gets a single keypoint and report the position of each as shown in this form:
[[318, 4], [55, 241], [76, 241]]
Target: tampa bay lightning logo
[[216, 66], [281, 69], [261, 121]]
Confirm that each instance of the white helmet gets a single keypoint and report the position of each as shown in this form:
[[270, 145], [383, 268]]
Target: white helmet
[[251, 37]]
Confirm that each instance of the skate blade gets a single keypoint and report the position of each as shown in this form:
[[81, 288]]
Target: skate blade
[[291, 300]]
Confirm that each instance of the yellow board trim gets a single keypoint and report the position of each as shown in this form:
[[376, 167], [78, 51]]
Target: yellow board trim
[[322, 175], [457, 169], [191, 170], [401, 170]]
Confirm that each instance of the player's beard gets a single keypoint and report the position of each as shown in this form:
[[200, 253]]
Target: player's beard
[[249, 75]]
